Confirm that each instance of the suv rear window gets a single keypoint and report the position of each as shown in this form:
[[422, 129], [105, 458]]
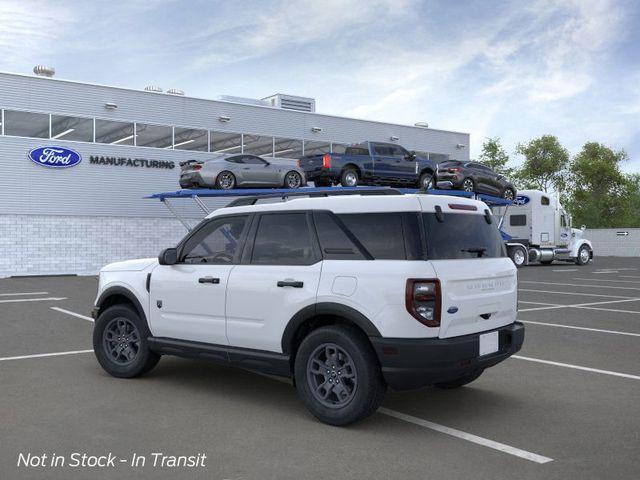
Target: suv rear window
[[462, 235]]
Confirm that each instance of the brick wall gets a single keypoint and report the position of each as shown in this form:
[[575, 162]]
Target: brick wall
[[46, 245], [610, 242]]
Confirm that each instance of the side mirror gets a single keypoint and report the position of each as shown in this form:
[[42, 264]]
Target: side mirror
[[168, 256], [410, 156]]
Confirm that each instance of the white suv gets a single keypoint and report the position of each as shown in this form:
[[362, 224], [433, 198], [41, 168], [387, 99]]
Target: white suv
[[345, 294]]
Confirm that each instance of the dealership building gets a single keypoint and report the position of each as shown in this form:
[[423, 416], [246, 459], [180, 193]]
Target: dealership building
[[127, 144]]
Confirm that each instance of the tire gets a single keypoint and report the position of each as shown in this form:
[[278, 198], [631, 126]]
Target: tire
[[460, 382], [546, 262], [584, 255], [349, 177], [468, 185], [509, 194], [225, 180], [362, 389], [292, 180], [136, 358], [518, 256], [426, 181]]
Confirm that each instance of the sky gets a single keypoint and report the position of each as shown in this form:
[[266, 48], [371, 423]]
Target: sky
[[509, 69]]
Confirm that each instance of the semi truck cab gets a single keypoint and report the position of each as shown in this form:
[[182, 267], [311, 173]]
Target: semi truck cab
[[539, 229]]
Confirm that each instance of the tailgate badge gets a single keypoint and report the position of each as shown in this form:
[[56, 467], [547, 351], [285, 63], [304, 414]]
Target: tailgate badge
[[452, 310]]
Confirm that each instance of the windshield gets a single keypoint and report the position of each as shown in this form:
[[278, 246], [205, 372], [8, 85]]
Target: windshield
[[462, 235]]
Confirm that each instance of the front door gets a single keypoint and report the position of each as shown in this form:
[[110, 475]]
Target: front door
[[187, 300], [278, 277]]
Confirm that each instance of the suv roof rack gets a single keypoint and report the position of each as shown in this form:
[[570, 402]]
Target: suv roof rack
[[316, 192]]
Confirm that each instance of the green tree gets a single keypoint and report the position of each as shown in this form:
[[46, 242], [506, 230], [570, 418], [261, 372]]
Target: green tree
[[545, 164], [494, 156], [600, 194]]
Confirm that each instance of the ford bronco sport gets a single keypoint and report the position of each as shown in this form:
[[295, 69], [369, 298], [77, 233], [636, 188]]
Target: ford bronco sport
[[347, 295]]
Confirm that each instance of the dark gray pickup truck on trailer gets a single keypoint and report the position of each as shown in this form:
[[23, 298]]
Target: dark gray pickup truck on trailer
[[370, 163]]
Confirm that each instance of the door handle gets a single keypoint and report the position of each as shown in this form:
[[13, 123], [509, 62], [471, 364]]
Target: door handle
[[209, 280], [290, 283]]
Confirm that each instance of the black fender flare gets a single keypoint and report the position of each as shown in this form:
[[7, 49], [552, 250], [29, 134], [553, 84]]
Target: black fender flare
[[125, 292], [326, 308]]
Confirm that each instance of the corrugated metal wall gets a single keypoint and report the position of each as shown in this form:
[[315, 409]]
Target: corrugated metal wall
[[614, 242]]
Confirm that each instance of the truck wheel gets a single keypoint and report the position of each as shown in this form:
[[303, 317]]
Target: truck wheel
[[120, 343], [518, 256], [225, 180], [460, 381], [426, 181], [349, 178], [468, 185], [584, 255], [337, 375]]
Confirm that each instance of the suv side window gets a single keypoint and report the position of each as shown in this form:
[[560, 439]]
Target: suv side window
[[283, 239], [216, 242], [334, 241], [380, 233], [236, 159], [253, 160]]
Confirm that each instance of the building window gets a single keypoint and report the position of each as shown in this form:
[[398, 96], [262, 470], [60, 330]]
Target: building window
[[71, 128], [225, 142], [190, 139], [26, 124], [115, 133], [257, 145], [316, 148], [157, 136], [287, 148]]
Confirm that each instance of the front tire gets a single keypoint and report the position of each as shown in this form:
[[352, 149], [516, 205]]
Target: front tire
[[460, 382], [120, 343], [225, 180], [508, 194], [584, 255], [349, 178], [337, 375]]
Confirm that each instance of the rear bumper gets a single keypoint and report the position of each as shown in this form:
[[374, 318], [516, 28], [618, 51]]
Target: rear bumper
[[316, 173], [189, 180], [409, 363]]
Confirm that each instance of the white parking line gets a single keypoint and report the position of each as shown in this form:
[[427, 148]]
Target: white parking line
[[598, 330], [535, 309], [629, 276], [41, 355], [576, 293], [533, 457], [607, 309], [541, 303], [73, 314], [606, 280], [566, 270], [50, 299], [577, 367], [588, 306], [26, 293], [585, 286]]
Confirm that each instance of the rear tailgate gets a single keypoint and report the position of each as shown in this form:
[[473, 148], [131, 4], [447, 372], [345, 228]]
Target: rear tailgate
[[481, 293], [315, 164]]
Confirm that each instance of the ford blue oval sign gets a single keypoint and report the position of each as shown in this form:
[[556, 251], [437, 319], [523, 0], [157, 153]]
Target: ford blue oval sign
[[55, 157], [521, 200]]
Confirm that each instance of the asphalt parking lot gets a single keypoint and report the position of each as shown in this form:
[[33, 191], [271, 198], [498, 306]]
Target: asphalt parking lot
[[566, 407]]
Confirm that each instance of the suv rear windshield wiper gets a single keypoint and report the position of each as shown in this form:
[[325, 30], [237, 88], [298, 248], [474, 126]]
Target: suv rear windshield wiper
[[479, 250]]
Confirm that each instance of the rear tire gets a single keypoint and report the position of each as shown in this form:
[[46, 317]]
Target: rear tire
[[225, 180], [468, 185], [292, 180], [460, 382], [120, 343], [518, 256], [508, 194], [337, 375], [349, 178]]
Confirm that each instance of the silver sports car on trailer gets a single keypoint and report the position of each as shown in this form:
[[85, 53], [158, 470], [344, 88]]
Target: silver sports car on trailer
[[241, 170]]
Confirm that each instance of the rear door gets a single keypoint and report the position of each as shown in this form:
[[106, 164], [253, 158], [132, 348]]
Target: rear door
[[478, 281], [188, 299], [278, 276]]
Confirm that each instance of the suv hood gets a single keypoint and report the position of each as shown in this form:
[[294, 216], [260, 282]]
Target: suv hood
[[130, 265]]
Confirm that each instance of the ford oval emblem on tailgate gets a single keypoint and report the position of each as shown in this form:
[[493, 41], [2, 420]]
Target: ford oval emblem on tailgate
[[55, 157], [452, 310]]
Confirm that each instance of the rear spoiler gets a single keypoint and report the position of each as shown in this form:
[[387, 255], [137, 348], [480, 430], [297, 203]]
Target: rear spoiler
[[189, 162]]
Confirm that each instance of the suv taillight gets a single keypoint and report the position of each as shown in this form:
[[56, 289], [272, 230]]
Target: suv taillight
[[326, 161], [423, 301], [196, 167]]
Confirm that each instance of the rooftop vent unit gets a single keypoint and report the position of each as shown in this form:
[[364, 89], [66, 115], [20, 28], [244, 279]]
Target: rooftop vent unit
[[244, 100], [43, 71], [291, 102], [153, 88], [175, 91]]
